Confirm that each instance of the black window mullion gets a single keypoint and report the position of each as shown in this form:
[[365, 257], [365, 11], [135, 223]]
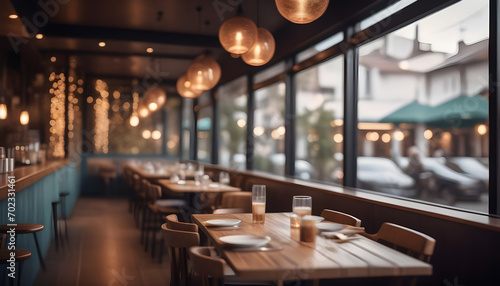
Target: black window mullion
[[193, 146], [350, 111], [215, 127], [250, 122], [494, 107], [290, 119]]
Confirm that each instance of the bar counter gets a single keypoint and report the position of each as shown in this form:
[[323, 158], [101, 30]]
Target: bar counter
[[37, 187], [28, 175]]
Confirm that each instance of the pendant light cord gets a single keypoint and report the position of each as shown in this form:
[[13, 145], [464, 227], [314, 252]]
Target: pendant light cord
[[258, 13]]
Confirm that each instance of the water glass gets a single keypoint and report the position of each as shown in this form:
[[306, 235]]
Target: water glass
[[198, 178], [224, 178], [258, 204], [302, 205]]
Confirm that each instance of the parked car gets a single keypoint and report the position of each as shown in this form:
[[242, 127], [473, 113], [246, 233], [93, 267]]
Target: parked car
[[383, 175], [450, 185], [303, 169], [471, 167]]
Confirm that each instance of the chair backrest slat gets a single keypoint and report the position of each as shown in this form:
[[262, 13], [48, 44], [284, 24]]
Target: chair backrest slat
[[415, 243], [174, 223], [205, 264], [237, 200], [338, 217]]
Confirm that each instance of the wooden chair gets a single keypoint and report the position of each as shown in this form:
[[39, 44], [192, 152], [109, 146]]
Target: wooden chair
[[212, 267], [237, 200], [409, 241], [338, 217], [174, 223], [155, 209], [178, 242], [229, 211]]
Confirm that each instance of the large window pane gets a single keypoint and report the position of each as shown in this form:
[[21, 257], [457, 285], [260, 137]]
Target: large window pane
[[319, 114], [187, 124], [423, 109], [204, 126], [269, 130], [172, 109], [232, 99]]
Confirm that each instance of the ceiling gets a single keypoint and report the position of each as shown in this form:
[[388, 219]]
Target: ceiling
[[175, 30]]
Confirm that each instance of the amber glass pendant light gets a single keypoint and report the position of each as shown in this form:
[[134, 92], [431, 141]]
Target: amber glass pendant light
[[301, 11], [238, 34]]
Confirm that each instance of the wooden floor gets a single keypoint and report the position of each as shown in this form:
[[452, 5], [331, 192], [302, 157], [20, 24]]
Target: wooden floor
[[103, 249]]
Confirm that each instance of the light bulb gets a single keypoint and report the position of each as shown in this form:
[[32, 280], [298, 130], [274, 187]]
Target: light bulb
[[24, 118], [3, 111], [134, 120], [153, 106]]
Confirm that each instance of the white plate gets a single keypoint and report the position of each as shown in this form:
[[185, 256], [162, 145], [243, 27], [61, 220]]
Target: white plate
[[181, 182], [245, 240], [223, 222], [329, 226], [315, 217]]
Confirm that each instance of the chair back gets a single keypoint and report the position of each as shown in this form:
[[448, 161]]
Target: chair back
[[154, 192], [178, 242], [409, 241], [239, 200], [137, 182], [229, 211], [338, 217], [174, 223], [206, 265]]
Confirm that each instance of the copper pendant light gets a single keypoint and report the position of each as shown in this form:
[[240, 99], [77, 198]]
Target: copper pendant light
[[238, 34], [263, 50], [184, 88], [301, 11], [204, 73]]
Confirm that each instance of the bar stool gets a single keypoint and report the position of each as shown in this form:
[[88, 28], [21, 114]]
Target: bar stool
[[62, 197], [24, 228], [20, 255]]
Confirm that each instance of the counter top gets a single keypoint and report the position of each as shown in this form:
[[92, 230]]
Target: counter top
[[27, 175]]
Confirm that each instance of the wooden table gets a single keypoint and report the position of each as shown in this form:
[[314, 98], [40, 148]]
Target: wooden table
[[193, 193], [150, 176], [303, 261], [191, 187]]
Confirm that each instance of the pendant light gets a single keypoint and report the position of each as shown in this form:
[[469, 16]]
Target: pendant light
[[238, 34], [184, 88], [3, 106], [25, 116], [204, 72], [263, 50], [301, 11]]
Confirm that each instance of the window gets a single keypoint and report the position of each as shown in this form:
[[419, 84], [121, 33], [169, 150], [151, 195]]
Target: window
[[319, 114], [319, 47], [270, 72], [269, 129], [145, 138], [423, 109], [204, 126], [172, 109], [232, 99], [187, 124]]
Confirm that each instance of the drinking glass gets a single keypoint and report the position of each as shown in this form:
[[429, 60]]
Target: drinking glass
[[224, 178], [307, 229], [302, 205], [258, 204]]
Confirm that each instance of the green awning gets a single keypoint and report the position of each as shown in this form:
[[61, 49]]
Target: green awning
[[460, 112], [413, 112], [204, 124]]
